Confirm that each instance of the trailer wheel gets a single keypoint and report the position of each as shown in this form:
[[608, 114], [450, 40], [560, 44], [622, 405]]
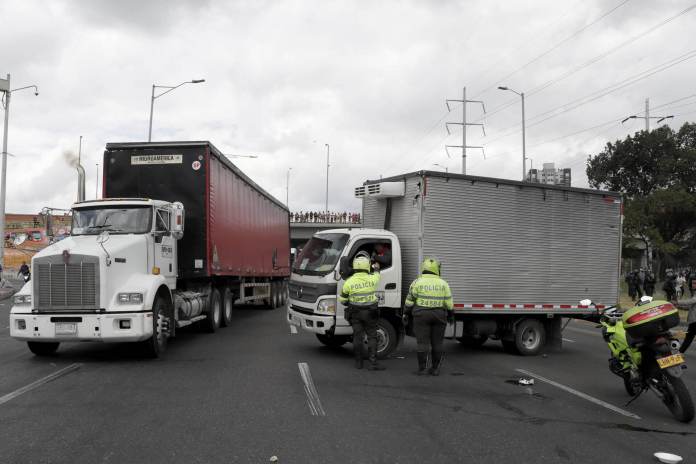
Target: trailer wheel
[[387, 338], [530, 337], [277, 297], [212, 322], [227, 303], [284, 293], [156, 345], [43, 348]]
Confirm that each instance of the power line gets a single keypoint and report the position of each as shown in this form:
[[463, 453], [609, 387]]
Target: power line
[[555, 47]]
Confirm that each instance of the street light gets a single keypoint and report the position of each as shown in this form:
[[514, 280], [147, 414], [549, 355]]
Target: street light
[[524, 148], [5, 88], [327, 178], [444, 167], [170, 88]]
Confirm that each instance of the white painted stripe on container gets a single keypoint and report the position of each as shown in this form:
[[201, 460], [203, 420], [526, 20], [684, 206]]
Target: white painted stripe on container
[[579, 394], [20, 391], [293, 329], [313, 400]]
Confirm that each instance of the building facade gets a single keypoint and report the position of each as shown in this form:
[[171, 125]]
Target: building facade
[[549, 175]]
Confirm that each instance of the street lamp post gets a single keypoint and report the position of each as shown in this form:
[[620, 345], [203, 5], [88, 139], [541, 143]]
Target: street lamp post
[[444, 167], [5, 88], [169, 89], [326, 208], [524, 145]]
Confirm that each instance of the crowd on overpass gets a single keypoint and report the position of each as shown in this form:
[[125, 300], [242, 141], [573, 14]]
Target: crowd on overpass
[[325, 217]]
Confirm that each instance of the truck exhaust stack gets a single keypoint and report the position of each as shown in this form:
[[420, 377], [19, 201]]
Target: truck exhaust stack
[[80, 182]]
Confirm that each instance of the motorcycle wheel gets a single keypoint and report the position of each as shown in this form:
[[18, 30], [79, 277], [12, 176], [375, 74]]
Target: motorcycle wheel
[[629, 386], [677, 399]]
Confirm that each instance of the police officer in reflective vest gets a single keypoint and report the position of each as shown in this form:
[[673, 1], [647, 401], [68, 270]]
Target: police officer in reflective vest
[[358, 295], [430, 301]]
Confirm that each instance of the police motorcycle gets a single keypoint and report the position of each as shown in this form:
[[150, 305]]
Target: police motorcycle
[[645, 353]]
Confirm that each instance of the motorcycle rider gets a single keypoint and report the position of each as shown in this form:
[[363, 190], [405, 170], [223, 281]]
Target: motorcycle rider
[[430, 301], [359, 297]]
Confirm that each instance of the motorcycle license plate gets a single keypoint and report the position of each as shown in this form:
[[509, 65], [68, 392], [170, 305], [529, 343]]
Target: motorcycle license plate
[[669, 361], [66, 328]]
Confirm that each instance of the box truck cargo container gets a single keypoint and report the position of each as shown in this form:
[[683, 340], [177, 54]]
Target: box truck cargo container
[[518, 257], [180, 236]]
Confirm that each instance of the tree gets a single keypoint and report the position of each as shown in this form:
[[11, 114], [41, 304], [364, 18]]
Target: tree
[[656, 172]]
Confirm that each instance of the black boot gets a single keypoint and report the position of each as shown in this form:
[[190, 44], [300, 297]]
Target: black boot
[[358, 356], [437, 361], [422, 363], [374, 365]]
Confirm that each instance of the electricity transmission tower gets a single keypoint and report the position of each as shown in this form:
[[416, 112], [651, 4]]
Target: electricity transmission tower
[[464, 124]]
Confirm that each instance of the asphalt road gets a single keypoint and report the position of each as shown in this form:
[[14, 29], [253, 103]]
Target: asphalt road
[[239, 396]]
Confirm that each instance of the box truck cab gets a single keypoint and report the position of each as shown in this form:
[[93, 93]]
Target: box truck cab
[[110, 281], [317, 278]]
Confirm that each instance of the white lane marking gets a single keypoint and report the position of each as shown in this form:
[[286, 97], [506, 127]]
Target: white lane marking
[[293, 329], [568, 340], [582, 395], [49, 378], [312, 395]]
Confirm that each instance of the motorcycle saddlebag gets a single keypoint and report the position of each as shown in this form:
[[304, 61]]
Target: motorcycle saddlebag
[[650, 319]]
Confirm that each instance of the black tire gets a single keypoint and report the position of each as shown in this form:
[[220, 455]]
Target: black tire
[[227, 305], [677, 399], [43, 348], [334, 341], [156, 345], [387, 339], [530, 337], [629, 386], [211, 323], [272, 301], [284, 293], [473, 341]]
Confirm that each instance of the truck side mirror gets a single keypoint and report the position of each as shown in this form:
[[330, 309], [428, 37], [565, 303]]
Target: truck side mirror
[[177, 219], [344, 268]]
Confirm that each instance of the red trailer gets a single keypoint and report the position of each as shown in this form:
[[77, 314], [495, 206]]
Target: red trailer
[[237, 234]]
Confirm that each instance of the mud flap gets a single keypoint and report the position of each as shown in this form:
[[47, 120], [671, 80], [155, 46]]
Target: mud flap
[[554, 334]]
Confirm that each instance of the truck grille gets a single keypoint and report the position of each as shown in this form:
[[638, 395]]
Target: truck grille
[[66, 286]]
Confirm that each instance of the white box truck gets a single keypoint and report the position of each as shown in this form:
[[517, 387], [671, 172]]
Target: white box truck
[[518, 256]]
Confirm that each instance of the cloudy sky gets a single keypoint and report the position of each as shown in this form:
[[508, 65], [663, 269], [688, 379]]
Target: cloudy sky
[[283, 78]]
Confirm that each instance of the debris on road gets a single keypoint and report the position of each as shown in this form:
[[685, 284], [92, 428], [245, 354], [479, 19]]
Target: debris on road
[[526, 381], [668, 458]]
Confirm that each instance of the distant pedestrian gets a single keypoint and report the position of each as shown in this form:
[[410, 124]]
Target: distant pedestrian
[[429, 300], [631, 285], [691, 282], [669, 287], [649, 283]]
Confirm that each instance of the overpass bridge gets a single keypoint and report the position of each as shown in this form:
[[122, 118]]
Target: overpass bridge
[[300, 232]]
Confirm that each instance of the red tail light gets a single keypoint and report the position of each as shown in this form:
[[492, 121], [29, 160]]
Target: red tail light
[[650, 313]]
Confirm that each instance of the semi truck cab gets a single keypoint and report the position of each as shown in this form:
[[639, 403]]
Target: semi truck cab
[[317, 278], [110, 281]]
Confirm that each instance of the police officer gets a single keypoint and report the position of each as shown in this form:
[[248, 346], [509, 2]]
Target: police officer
[[430, 301], [358, 295]]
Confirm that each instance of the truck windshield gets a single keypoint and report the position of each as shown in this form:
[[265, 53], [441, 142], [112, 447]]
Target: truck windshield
[[320, 254], [116, 219]]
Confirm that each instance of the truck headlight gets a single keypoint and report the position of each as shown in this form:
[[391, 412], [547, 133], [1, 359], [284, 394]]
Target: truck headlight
[[327, 306], [22, 299], [130, 298]]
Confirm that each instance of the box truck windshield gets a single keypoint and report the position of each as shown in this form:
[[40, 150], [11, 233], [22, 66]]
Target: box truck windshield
[[119, 220], [320, 255]]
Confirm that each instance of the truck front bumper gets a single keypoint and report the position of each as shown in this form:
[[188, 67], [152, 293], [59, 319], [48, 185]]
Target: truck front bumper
[[316, 323], [104, 327]]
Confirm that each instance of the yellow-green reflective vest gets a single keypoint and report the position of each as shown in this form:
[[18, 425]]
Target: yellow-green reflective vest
[[429, 292], [359, 290]]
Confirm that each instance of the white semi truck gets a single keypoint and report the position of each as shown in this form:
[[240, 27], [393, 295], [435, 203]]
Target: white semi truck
[[518, 257], [130, 273]]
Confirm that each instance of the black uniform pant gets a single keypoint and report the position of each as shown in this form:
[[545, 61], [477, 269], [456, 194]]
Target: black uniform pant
[[429, 326], [364, 321], [690, 334]]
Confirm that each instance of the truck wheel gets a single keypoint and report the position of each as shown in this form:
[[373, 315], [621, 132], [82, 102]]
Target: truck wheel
[[284, 293], [473, 341], [156, 345], [43, 348], [227, 303], [276, 294], [212, 322], [387, 338], [333, 341], [530, 337]]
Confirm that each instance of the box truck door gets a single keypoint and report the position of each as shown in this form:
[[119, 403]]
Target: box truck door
[[165, 246], [381, 255]]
